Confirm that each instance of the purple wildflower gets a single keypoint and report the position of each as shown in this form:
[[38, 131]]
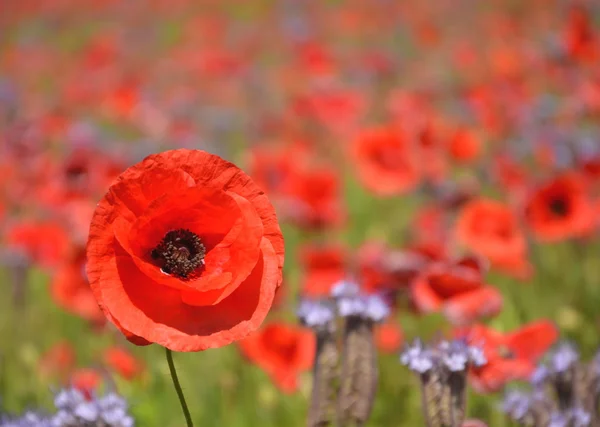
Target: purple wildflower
[[29, 419], [315, 314], [563, 358], [376, 308], [345, 288], [516, 404], [74, 410]]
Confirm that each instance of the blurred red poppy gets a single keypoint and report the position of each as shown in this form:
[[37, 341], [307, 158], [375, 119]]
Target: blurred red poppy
[[270, 166], [313, 198], [457, 289], [511, 177], [464, 146], [86, 380], [323, 267], [389, 337], [385, 161], [491, 229], [123, 362], [58, 360], [579, 35], [560, 209], [430, 150], [282, 351], [45, 243], [71, 290], [510, 356], [185, 251]]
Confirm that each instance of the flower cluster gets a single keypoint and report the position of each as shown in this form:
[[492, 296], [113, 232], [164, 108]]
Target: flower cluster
[[346, 374], [75, 409], [442, 370], [565, 392]]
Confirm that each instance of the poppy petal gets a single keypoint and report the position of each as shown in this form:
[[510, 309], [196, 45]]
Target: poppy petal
[[471, 306], [159, 315]]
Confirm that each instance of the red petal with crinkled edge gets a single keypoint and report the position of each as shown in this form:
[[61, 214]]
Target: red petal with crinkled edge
[[470, 306], [157, 314], [424, 297], [147, 311]]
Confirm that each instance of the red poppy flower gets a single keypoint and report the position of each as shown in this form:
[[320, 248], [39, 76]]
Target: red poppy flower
[[71, 290], [456, 289], [283, 351], [580, 40], [123, 362], [337, 109], [560, 209], [185, 251], [491, 230], [400, 267], [510, 356], [464, 146], [385, 162], [323, 267], [313, 198], [86, 380], [272, 165], [511, 177], [431, 152], [429, 224], [371, 273], [44, 243], [389, 337], [58, 360]]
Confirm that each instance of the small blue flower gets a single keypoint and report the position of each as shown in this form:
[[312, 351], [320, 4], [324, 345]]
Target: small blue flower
[[376, 308], [87, 411], [28, 419], [352, 305], [558, 419], [539, 376], [563, 358], [345, 288], [315, 314], [477, 356], [417, 358], [109, 410], [580, 418], [516, 404]]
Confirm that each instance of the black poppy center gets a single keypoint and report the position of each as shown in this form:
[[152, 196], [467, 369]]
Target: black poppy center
[[559, 206], [505, 352], [180, 253]]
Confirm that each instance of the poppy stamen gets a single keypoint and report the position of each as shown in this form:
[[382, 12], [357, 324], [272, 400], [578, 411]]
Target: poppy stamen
[[559, 206], [179, 253]]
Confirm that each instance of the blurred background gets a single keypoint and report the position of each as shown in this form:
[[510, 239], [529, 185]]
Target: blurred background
[[391, 136]]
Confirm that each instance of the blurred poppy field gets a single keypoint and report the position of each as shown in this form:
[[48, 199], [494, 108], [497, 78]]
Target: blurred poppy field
[[444, 155]]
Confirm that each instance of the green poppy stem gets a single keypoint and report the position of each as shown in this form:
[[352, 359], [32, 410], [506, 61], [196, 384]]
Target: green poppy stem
[[186, 411]]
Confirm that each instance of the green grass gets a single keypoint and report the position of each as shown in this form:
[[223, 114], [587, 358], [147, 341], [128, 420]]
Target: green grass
[[223, 389]]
